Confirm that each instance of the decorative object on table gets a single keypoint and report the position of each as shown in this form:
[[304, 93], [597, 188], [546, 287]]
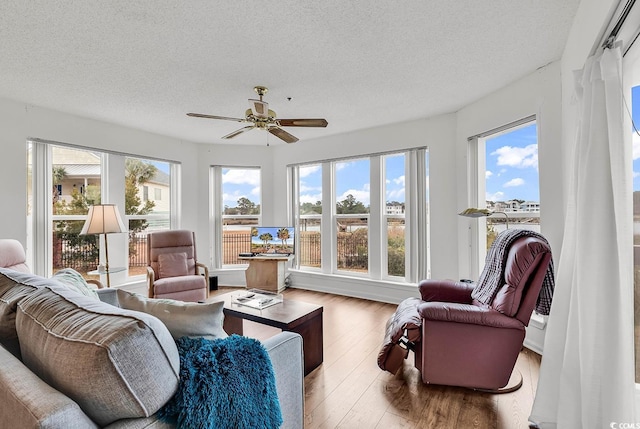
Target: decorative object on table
[[225, 383], [104, 219], [476, 212], [256, 298]]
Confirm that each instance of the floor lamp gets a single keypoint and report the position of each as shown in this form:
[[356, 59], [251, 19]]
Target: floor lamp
[[103, 219], [475, 212]]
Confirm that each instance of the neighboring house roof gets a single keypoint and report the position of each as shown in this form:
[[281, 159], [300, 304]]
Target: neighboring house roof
[[160, 178], [68, 156], [81, 170]]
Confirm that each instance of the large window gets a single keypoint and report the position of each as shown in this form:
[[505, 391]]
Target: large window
[[66, 180], [310, 215], [352, 192], [371, 224], [237, 208], [394, 210], [145, 215], [507, 182]]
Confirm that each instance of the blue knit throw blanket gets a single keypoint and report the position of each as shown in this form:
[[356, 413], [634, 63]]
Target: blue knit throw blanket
[[224, 384]]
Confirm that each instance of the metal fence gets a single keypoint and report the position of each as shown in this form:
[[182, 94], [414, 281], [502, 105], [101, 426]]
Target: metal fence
[[353, 251], [82, 253], [309, 252], [234, 243], [75, 251]]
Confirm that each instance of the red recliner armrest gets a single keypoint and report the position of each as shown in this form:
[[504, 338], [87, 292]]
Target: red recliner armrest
[[446, 290], [466, 313]]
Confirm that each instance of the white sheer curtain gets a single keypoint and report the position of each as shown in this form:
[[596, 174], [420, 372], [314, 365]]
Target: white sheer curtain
[[587, 371]]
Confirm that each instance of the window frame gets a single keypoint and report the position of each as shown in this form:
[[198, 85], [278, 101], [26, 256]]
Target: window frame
[[112, 191], [476, 155], [417, 223], [217, 216]]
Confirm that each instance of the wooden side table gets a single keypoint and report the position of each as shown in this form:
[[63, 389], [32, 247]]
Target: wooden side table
[[266, 272]]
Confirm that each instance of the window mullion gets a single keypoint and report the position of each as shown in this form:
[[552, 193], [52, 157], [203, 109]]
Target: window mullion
[[329, 224], [42, 209], [377, 257]]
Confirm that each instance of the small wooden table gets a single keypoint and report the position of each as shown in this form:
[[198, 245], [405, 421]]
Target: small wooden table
[[294, 316], [266, 272]]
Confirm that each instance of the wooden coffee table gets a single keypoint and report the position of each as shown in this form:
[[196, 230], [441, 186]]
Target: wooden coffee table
[[294, 316]]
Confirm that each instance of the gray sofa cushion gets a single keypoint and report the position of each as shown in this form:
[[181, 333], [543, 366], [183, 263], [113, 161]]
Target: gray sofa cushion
[[32, 403], [114, 363], [14, 286], [183, 319]]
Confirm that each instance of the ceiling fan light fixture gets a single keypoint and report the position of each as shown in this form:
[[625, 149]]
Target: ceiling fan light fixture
[[260, 116], [259, 108]]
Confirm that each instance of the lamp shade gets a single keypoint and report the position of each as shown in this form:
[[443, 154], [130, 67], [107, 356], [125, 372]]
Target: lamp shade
[[103, 219]]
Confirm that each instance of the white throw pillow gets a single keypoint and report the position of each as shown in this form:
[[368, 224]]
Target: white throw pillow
[[182, 319], [74, 281]]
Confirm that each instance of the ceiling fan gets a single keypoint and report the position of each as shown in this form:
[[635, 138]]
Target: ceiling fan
[[260, 116]]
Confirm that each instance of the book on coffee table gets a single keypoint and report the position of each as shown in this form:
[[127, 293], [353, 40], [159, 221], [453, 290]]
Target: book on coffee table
[[256, 298]]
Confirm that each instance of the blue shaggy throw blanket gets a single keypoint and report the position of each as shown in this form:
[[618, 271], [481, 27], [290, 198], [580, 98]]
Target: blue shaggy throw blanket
[[224, 383]]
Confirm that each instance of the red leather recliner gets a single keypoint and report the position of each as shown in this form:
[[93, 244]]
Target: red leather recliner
[[470, 344]]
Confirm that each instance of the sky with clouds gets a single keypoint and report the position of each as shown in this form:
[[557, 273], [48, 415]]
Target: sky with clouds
[[352, 177], [511, 173], [512, 165]]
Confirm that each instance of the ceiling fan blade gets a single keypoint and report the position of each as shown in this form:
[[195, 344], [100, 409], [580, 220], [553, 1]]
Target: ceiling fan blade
[[283, 135], [259, 108], [225, 118], [303, 122], [238, 132]]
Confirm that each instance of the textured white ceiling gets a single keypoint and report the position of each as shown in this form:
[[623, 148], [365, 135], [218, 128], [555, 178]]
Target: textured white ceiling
[[145, 63]]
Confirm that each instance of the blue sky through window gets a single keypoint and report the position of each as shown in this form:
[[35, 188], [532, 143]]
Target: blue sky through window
[[238, 183], [512, 165]]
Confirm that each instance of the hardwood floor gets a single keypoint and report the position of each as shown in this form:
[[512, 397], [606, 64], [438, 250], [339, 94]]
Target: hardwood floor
[[349, 390]]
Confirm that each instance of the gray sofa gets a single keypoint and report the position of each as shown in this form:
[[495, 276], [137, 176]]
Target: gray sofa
[[70, 361]]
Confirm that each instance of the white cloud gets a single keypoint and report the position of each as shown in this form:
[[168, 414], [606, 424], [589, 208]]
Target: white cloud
[[520, 157], [305, 188], [514, 182], [305, 171], [488, 174], [310, 198], [399, 180], [635, 174], [395, 195], [359, 195], [498, 196], [231, 200], [240, 176], [342, 165], [255, 191]]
